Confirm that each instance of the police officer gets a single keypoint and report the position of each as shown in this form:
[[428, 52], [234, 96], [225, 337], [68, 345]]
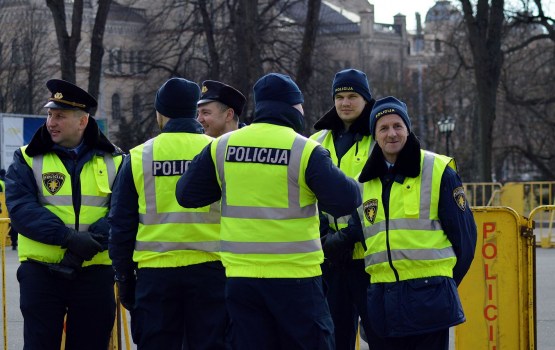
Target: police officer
[[219, 108], [58, 194], [270, 180], [420, 234], [345, 131], [177, 297]]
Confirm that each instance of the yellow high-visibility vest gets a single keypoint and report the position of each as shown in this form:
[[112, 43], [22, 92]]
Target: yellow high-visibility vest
[[412, 239], [269, 215], [351, 164], [55, 194], [168, 234]]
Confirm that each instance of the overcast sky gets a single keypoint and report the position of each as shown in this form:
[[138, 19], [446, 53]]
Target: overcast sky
[[384, 10]]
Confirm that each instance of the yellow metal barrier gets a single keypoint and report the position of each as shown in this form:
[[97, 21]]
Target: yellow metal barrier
[[525, 196], [483, 193], [121, 322], [543, 217], [4, 229], [498, 293]]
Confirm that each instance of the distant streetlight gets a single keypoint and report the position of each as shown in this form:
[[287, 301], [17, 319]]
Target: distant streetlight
[[446, 126]]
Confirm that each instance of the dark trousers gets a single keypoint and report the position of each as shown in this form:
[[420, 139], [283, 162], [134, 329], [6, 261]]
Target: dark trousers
[[88, 302], [429, 341], [347, 286], [180, 308], [279, 313], [13, 237]]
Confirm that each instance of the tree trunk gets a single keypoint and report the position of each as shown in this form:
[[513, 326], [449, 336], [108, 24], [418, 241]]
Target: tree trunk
[[97, 47], [484, 35], [208, 26], [67, 44], [248, 52], [305, 68]]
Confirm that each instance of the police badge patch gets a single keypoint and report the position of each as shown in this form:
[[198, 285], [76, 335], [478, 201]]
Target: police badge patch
[[53, 181], [370, 208], [460, 198]]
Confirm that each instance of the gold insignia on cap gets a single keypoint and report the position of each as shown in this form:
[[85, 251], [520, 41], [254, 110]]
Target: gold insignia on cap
[[58, 95], [53, 182], [204, 89], [370, 208], [460, 198], [384, 112], [344, 88]]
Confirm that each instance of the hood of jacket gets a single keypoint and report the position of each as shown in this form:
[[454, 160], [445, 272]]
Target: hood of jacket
[[42, 143], [407, 164], [188, 125], [279, 113]]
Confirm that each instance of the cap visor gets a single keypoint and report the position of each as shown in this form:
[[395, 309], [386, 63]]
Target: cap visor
[[58, 105], [206, 100]]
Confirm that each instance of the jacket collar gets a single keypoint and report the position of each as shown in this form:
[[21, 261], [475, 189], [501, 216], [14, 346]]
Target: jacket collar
[[42, 143], [189, 125], [407, 164]]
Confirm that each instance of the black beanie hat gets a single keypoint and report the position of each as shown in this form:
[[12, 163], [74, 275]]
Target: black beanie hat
[[351, 80], [177, 98], [277, 87], [388, 105]]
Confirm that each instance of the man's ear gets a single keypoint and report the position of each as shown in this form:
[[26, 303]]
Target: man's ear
[[229, 114], [84, 120]]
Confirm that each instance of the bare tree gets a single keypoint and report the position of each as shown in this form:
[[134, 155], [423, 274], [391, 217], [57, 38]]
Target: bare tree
[[305, 67], [97, 46], [23, 61], [484, 24], [68, 43]]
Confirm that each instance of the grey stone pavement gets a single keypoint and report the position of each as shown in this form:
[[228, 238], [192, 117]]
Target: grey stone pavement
[[545, 282]]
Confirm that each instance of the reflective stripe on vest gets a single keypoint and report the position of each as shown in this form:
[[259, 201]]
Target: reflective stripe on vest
[[422, 225], [168, 234]]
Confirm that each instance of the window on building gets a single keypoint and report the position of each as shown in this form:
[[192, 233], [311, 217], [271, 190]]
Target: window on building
[[114, 61], [16, 57], [141, 56], [137, 107], [27, 50], [437, 45], [116, 107], [133, 62]]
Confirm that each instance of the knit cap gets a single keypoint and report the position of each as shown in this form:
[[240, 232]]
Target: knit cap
[[388, 105], [277, 87], [177, 98], [351, 80]]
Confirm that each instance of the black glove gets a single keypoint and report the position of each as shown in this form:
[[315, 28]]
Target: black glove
[[126, 290], [338, 247], [69, 267], [82, 244], [100, 231]]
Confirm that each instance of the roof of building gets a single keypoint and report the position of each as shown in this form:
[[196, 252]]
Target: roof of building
[[442, 11]]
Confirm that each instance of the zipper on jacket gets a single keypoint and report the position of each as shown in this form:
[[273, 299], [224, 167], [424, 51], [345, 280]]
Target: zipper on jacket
[[389, 183], [75, 183]]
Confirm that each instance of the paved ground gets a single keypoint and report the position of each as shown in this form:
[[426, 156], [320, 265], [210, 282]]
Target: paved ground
[[545, 270]]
